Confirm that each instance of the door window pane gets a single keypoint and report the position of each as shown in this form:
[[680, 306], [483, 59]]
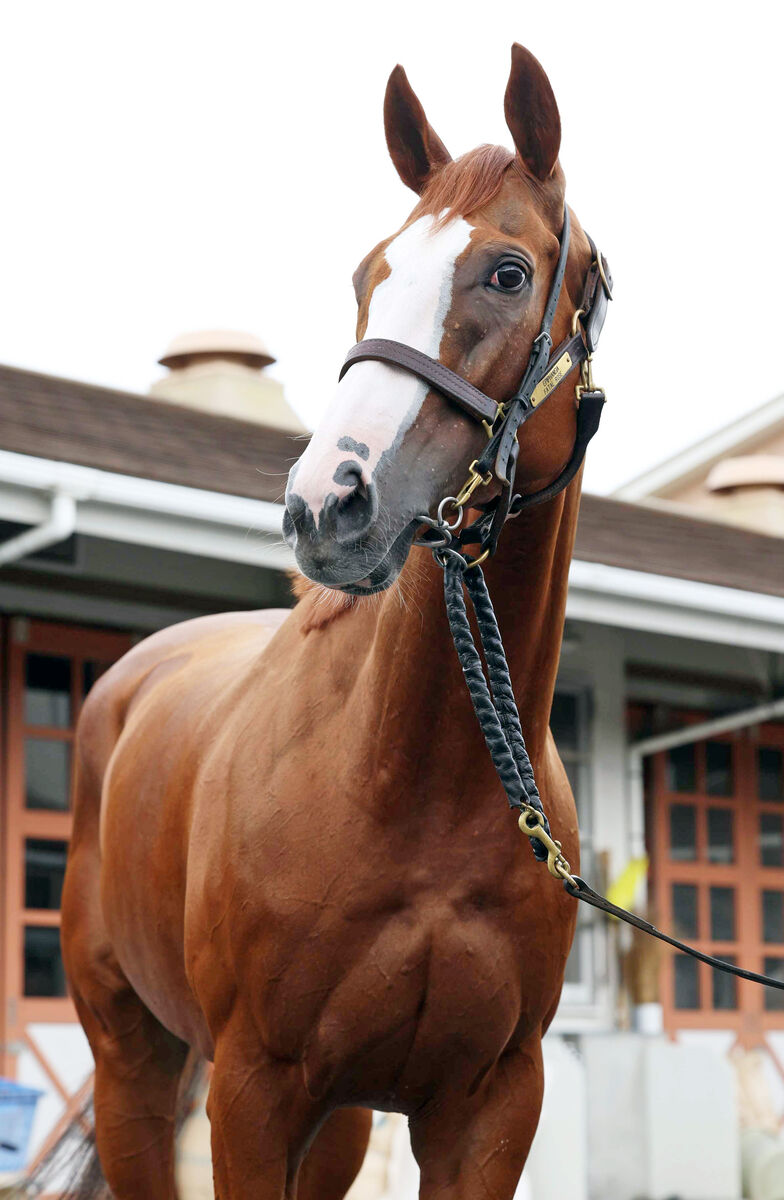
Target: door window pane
[[718, 768], [43, 962], [725, 987], [44, 871], [770, 840], [47, 699], [770, 773], [687, 982], [684, 909], [682, 769], [773, 916], [722, 914], [564, 721], [47, 774], [720, 849], [683, 832], [92, 670], [774, 999]]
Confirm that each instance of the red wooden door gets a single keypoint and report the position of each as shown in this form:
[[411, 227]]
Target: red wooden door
[[717, 811], [48, 670]]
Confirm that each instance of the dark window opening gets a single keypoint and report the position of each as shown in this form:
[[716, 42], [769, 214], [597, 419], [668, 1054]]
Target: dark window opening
[[682, 769], [718, 769], [683, 832], [720, 842], [687, 982], [770, 773], [44, 872], [44, 974], [47, 699], [771, 843]]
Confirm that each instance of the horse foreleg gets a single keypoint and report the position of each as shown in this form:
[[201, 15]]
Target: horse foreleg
[[477, 1146], [261, 1119], [336, 1155]]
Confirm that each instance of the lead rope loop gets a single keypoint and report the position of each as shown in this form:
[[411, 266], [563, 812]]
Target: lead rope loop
[[493, 701]]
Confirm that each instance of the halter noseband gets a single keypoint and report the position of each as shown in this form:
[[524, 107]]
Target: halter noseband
[[502, 419]]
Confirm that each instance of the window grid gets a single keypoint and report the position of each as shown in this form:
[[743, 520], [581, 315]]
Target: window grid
[[45, 669], [718, 877]]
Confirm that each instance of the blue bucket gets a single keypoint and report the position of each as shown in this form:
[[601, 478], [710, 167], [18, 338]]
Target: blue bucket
[[17, 1109]]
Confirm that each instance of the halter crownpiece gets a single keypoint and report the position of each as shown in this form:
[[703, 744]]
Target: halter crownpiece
[[545, 371]]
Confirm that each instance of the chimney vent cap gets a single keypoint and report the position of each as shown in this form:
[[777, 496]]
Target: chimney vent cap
[[216, 343], [750, 470]]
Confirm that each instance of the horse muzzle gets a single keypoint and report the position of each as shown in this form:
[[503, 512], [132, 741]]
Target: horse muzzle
[[343, 545]]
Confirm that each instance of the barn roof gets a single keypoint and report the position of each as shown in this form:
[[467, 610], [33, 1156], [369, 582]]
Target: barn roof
[[69, 421], [121, 432]]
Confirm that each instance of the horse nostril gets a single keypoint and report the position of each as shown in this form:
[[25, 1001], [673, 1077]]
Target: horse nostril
[[355, 511], [295, 517], [360, 492]]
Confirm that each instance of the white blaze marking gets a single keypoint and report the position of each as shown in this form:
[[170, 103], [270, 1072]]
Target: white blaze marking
[[376, 403]]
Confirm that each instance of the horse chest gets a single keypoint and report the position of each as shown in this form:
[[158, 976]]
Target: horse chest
[[378, 1002]]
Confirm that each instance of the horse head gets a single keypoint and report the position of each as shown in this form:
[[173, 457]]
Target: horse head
[[465, 280]]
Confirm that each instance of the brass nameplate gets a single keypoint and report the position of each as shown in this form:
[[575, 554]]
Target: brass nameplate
[[557, 372]]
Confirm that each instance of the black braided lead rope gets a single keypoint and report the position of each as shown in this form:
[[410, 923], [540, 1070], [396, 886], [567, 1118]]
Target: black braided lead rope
[[499, 720], [501, 682], [496, 710]]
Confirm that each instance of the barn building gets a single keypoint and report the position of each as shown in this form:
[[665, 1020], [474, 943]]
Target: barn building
[[121, 513]]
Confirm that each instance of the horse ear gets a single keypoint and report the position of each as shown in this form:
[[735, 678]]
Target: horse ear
[[532, 114], [414, 146]]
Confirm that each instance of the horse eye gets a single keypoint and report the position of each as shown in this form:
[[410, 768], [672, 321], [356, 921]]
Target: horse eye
[[508, 277]]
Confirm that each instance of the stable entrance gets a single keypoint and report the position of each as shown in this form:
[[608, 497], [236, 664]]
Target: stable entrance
[[47, 670], [716, 835]]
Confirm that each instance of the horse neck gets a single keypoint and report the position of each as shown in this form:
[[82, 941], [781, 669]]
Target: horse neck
[[416, 678]]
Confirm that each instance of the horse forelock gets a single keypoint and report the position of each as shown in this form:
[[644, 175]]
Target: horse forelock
[[465, 185]]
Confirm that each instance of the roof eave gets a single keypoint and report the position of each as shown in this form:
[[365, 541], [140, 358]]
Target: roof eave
[[145, 511], [701, 455]]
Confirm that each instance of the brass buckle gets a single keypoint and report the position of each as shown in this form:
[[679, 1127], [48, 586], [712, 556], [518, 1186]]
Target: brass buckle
[[489, 426], [602, 276]]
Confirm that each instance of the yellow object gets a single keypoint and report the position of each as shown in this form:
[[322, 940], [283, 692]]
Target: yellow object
[[624, 889]]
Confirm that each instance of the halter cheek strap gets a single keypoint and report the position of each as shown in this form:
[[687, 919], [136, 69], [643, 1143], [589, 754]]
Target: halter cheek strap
[[545, 371]]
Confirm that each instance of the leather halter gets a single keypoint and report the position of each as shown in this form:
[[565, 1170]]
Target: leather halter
[[544, 372]]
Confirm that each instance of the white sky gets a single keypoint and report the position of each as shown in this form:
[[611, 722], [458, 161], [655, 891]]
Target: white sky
[[170, 166]]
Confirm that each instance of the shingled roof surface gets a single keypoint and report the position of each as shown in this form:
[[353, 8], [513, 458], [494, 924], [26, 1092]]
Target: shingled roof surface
[[120, 431], [652, 538]]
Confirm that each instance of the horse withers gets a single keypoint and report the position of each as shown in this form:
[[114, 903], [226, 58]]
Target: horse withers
[[291, 854]]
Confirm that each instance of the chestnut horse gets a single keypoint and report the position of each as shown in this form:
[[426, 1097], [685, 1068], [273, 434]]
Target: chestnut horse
[[291, 852]]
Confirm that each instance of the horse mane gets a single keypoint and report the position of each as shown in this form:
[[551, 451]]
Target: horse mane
[[465, 184]]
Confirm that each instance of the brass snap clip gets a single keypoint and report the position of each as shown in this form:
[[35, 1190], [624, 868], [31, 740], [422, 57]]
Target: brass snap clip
[[475, 478], [531, 822]]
